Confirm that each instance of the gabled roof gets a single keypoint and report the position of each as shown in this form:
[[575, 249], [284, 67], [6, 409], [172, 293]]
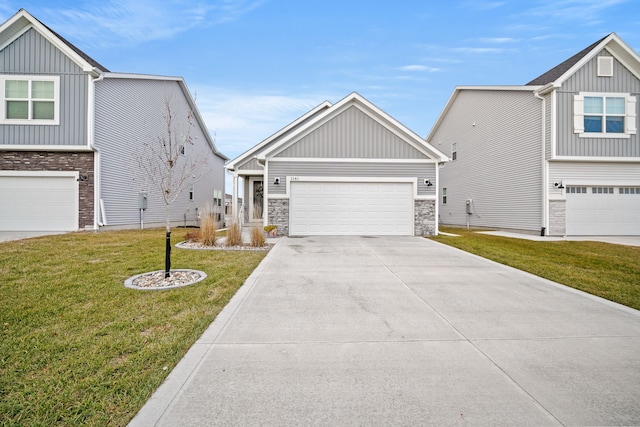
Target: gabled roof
[[323, 113], [612, 43], [187, 95], [252, 152], [22, 21]]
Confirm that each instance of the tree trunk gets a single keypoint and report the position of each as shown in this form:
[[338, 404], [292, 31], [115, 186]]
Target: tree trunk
[[167, 258]]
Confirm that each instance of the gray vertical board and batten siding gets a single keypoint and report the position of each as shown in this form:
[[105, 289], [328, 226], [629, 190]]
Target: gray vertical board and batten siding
[[352, 134], [586, 80], [129, 113], [499, 159], [32, 54]]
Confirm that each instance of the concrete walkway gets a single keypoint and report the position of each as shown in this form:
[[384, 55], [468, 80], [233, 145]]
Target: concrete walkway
[[404, 331]]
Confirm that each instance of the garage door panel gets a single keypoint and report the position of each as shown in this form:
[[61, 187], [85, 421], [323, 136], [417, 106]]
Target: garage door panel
[[357, 208], [38, 203], [603, 214]]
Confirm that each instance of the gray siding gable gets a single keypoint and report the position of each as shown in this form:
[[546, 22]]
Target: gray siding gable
[[586, 80], [33, 54], [352, 134]]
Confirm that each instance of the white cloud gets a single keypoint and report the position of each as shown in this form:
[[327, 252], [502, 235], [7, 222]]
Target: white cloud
[[113, 22], [481, 50], [498, 40], [585, 11], [419, 68]]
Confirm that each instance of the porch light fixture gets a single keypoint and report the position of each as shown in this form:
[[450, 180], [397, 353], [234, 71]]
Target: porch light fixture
[[428, 182], [276, 181]]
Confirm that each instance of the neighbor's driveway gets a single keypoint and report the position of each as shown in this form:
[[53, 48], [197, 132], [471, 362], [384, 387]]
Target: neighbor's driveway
[[404, 331]]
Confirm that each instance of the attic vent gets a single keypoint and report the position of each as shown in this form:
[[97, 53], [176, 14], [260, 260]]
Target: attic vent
[[605, 66]]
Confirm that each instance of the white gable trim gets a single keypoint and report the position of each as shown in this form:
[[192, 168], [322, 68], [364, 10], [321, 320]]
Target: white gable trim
[[25, 20], [247, 155], [615, 46], [355, 100]]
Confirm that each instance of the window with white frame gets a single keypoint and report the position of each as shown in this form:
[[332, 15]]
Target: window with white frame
[[629, 190], [602, 190], [29, 100], [444, 196], [610, 115], [454, 151], [191, 193]]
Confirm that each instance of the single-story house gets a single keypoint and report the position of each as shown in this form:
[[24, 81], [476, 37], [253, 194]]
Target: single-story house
[[346, 168]]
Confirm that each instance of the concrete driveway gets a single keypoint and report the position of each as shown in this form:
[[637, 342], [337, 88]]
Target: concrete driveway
[[404, 331]]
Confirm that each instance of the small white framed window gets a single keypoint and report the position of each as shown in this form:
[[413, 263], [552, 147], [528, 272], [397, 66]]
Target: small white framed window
[[444, 196], [191, 193], [30, 100], [630, 190], [602, 190], [576, 190], [604, 115], [454, 151]]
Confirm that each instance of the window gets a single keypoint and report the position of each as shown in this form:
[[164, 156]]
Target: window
[[629, 190], [605, 115], [454, 151], [444, 196], [602, 190], [577, 190], [191, 193], [29, 100]]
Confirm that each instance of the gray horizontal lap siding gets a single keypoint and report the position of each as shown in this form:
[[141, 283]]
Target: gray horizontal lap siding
[[586, 80], [129, 113], [352, 134], [32, 54], [283, 170], [499, 159]]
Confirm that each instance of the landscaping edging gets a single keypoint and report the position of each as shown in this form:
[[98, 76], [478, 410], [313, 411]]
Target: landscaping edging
[[156, 281]]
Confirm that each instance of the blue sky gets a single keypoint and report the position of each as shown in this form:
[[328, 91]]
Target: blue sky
[[256, 65]]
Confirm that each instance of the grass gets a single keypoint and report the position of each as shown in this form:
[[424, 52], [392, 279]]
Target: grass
[[76, 346], [606, 270]]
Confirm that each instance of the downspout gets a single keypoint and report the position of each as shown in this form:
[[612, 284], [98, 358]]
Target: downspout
[[91, 111], [545, 170], [265, 190]]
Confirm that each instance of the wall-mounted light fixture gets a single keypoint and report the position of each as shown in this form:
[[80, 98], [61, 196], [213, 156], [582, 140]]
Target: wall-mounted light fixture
[[428, 183], [558, 185], [82, 178], [276, 181]]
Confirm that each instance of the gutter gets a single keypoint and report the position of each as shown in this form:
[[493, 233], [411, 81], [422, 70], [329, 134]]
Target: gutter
[[95, 76]]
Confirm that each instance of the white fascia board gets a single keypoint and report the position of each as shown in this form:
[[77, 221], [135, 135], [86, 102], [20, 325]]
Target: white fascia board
[[31, 22], [587, 159], [252, 152], [349, 160], [355, 99], [588, 57], [44, 147]]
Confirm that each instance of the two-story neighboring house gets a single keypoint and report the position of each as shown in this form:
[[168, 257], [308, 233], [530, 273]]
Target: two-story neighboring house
[[557, 156], [72, 136]]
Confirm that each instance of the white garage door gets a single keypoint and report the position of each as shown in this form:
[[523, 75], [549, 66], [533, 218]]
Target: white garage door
[[351, 208], [37, 202], [604, 211]]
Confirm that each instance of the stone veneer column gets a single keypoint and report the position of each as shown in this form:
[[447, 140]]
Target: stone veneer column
[[557, 217], [58, 161], [278, 215], [424, 217]]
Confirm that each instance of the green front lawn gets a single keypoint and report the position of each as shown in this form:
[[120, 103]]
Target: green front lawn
[[76, 346], [606, 270]]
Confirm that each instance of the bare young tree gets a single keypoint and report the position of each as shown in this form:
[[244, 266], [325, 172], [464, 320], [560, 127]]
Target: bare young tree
[[169, 165]]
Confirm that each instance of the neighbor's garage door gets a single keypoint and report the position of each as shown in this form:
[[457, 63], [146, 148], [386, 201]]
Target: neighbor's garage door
[[605, 212], [351, 208], [31, 202]]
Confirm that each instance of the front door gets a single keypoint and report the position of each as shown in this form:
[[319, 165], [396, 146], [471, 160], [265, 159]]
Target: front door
[[256, 205]]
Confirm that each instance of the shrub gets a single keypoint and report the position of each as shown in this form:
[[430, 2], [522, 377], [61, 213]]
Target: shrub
[[234, 235], [257, 237]]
